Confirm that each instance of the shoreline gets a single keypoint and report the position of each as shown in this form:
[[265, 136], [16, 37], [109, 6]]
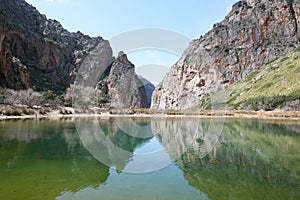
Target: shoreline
[[277, 115]]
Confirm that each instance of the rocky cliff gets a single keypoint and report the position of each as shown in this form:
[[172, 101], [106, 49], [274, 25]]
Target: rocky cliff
[[49, 53], [39, 53], [254, 33]]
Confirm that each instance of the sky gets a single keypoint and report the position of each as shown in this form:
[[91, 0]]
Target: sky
[[109, 18]]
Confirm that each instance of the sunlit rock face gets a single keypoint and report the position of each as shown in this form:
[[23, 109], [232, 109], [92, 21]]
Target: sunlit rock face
[[251, 35]]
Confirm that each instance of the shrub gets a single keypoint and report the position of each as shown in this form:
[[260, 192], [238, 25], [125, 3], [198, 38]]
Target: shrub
[[52, 99], [25, 97], [28, 111], [16, 112], [83, 96], [270, 103], [3, 95], [11, 111], [60, 100], [44, 111]]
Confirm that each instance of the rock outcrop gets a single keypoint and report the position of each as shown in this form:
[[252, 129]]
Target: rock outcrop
[[39, 53], [254, 33], [122, 86]]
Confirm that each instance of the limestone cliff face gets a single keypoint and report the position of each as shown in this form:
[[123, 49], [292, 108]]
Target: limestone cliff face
[[39, 53], [254, 33]]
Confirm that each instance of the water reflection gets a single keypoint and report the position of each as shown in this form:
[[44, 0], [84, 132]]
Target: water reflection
[[178, 135], [166, 184], [106, 142], [44, 161], [112, 141], [251, 159]]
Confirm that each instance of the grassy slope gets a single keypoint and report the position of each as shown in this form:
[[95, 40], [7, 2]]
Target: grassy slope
[[268, 88]]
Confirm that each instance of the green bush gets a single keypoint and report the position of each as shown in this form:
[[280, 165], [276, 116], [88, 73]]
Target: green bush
[[53, 99]]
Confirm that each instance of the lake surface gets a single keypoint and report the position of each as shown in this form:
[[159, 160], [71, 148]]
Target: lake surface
[[149, 158]]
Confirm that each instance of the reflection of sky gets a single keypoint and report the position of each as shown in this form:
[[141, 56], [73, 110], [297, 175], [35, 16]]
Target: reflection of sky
[[151, 146], [167, 183], [164, 180]]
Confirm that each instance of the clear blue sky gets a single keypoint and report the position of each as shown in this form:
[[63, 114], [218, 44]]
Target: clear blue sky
[[108, 18]]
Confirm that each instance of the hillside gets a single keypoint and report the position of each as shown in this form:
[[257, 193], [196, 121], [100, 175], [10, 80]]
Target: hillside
[[254, 33], [275, 86]]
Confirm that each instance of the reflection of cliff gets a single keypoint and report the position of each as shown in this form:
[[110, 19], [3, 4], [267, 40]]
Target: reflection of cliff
[[254, 160], [45, 163], [120, 138], [182, 134], [107, 142], [271, 141]]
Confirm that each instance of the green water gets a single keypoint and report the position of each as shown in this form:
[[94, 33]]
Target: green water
[[181, 159]]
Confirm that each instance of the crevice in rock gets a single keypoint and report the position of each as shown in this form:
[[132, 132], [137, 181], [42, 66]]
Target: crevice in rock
[[293, 13], [240, 69]]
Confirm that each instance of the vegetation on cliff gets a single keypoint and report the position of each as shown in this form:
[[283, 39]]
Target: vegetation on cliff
[[275, 86]]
